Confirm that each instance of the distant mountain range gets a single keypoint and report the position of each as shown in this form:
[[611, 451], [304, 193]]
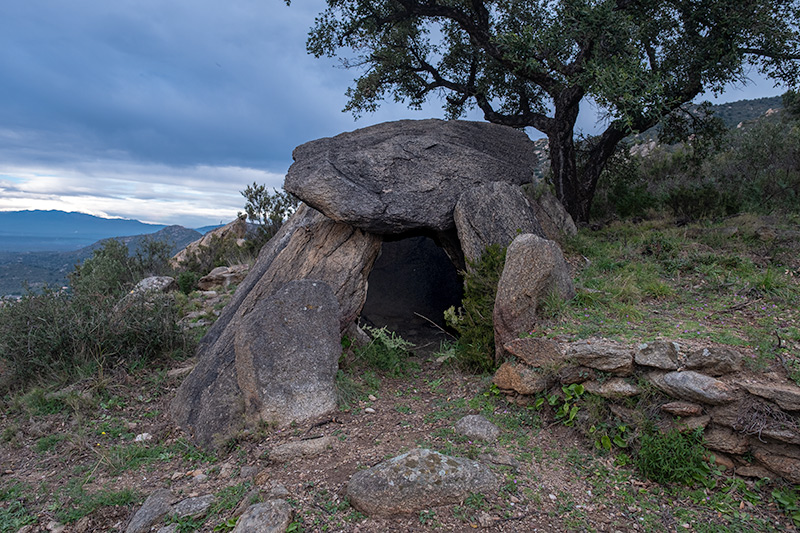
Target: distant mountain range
[[40, 248], [56, 231]]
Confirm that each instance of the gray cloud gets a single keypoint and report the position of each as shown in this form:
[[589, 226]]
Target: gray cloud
[[104, 103]]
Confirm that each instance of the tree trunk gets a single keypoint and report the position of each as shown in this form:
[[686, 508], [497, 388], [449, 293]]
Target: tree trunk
[[575, 184], [563, 162], [600, 152]]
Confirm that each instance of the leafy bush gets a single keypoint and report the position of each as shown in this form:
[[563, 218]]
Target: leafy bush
[[268, 210], [673, 457], [474, 320], [754, 168], [56, 335], [187, 281], [760, 166], [386, 351]]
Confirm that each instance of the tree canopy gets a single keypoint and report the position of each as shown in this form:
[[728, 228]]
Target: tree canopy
[[533, 63]]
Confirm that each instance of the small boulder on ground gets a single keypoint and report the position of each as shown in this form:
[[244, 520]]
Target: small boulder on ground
[[223, 276], [715, 360], [290, 450], [520, 378], [603, 354], [419, 479], [535, 269], [272, 516], [477, 427], [537, 352], [152, 511], [693, 387], [155, 284], [658, 354]]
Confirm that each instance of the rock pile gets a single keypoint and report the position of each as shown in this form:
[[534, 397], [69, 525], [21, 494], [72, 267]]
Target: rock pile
[[455, 182], [233, 231], [750, 421], [271, 516]]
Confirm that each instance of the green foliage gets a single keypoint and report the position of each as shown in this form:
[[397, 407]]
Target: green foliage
[[791, 101], [13, 513], [151, 258], [569, 407], [673, 457], [532, 64], [754, 168], [13, 516], [268, 210], [187, 281], [109, 272], [789, 500], [474, 320], [386, 351], [74, 503], [606, 438], [48, 442], [57, 335]]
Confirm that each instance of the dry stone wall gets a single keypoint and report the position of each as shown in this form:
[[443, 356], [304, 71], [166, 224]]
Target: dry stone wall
[[750, 420]]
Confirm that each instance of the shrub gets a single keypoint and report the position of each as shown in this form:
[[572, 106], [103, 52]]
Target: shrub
[[673, 457], [755, 168], [55, 335], [386, 351], [187, 281], [474, 320]]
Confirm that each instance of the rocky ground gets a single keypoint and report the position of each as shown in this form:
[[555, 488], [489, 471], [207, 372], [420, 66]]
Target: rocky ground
[[85, 458], [81, 466]]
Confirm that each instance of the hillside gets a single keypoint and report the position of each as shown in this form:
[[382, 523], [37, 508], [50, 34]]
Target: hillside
[[734, 113], [37, 269], [59, 231], [87, 456]]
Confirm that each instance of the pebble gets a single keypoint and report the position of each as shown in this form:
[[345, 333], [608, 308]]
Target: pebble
[[552, 497], [369, 410], [55, 527], [142, 437], [371, 398], [248, 472]]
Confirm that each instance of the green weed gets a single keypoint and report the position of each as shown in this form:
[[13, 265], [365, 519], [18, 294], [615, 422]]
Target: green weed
[[386, 351], [673, 457]]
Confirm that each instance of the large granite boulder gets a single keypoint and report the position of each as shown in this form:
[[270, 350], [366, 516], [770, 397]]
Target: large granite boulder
[[209, 404], [493, 213], [399, 176], [271, 516], [287, 353], [535, 267]]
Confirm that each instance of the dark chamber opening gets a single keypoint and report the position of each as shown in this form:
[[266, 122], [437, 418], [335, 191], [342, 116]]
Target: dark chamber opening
[[413, 276]]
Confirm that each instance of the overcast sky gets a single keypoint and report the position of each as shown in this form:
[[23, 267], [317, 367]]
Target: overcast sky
[[164, 110]]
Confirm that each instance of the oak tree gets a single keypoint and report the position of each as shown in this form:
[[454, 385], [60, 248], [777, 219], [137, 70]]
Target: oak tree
[[534, 63]]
